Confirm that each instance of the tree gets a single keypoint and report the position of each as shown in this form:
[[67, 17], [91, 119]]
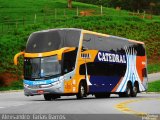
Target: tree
[[69, 3]]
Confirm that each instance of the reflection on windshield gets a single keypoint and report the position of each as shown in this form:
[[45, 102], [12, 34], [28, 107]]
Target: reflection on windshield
[[50, 66], [36, 68]]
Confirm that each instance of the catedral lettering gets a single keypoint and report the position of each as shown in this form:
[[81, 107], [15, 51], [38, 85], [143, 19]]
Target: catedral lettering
[[70, 61], [109, 57]]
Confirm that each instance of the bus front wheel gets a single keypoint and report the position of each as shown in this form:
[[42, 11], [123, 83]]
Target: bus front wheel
[[48, 97], [82, 90]]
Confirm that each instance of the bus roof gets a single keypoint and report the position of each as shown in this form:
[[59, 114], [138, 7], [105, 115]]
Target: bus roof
[[48, 30], [91, 32], [53, 39], [106, 35]]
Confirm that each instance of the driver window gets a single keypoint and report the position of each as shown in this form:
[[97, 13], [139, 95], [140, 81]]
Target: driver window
[[69, 60]]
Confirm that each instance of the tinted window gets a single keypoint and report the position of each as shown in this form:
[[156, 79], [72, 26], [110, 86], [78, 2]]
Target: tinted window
[[144, 72], [112, 44], [69, 59], [71, 38], [140, 49], [89, 42], [102, 43], [103, 69], [46, 41]]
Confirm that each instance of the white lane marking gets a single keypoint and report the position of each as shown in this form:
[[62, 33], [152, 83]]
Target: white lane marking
[[1, 107]]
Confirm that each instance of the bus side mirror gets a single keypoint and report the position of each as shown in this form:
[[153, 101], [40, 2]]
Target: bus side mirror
[[16, 57]]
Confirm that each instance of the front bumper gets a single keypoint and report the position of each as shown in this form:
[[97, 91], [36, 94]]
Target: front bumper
[[32, 88], [51, 90]]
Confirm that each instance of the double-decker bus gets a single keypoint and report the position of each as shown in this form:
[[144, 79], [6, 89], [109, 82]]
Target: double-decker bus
[[71, 61]]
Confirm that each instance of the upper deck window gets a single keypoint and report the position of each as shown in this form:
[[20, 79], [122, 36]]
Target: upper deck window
[[52, 40]]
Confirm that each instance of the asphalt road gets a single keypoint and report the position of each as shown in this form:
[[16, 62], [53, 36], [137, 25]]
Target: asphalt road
[[90, 108], [113, 108], [153, 77]]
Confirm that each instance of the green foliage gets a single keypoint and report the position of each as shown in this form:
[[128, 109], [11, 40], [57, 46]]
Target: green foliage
[[16, 85], [151, 6], [118, 23], [154, 86], [154, 67]]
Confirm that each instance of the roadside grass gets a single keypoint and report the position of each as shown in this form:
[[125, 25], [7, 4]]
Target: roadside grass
[[154, 86], [153, 68]]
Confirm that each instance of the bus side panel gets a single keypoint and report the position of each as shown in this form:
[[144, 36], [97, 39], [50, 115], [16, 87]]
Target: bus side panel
[[68, 87], [106, 73], [134, 73], [141, 66], [72, 85], [103, 83]]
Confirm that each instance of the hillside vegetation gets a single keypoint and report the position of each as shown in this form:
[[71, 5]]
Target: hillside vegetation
[[21, 18], [154, 86], [149, 6]]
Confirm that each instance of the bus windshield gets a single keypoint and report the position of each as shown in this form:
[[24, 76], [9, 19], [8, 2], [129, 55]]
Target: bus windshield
[[36, 68]]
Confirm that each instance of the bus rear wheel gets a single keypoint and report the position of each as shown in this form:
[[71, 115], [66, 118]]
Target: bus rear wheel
[[128, 91], [82, 91], [135, 90]]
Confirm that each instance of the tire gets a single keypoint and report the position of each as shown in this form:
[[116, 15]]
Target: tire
[[102, 95], [48, 97], [82, 91], [98, 95], [134, 91], [128, 91]]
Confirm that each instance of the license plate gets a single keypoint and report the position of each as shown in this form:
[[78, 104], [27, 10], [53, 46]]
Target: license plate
[[40, 91]]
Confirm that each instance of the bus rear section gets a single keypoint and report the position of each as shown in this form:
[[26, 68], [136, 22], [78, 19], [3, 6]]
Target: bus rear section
[[77, 62], [114, 65]]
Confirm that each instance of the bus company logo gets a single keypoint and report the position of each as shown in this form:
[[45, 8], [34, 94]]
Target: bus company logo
[[111, 57], [85, 55], [39, 82]]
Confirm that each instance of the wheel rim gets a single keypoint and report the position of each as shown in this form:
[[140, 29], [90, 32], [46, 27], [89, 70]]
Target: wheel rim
[[82, 90], [128, 91], [135, 89]]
